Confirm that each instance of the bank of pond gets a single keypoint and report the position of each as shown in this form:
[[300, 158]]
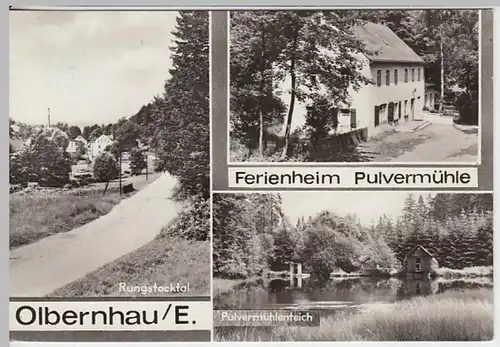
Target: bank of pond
[[453, 306]]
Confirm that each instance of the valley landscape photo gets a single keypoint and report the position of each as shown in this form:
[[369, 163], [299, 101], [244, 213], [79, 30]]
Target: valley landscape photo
[[109, 152], [376, 266]]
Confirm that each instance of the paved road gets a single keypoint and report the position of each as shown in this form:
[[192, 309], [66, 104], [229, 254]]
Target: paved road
[[437, 143], [42, 267]]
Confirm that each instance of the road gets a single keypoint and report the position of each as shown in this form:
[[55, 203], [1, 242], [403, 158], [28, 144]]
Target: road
[[437, 143], [42, 267]]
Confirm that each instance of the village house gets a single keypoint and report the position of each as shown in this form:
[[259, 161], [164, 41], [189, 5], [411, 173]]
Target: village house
[[419, 263], [73, 144], [397, 92], [97, 146]]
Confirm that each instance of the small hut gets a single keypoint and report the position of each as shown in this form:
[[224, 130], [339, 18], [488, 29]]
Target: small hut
[[420, 263]]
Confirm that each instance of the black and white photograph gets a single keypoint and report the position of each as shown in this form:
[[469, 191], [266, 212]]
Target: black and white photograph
[[374, 266], [354, 86], [109, 153]]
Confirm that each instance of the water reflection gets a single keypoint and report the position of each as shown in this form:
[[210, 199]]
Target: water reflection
[[264, 294]]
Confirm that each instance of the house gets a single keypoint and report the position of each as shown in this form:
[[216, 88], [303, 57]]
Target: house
[[430, 96], [73, 144], [397, 92], [419, 263], [98, 146]]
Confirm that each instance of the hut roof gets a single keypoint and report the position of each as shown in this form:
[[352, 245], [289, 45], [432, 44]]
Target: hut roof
[[422, 248]]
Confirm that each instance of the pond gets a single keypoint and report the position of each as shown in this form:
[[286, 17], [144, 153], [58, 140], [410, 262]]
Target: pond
[[335, 293]]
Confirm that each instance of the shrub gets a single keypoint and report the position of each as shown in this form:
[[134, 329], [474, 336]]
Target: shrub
[[105, 167], [194, 222], [137, 161], [43, 159]]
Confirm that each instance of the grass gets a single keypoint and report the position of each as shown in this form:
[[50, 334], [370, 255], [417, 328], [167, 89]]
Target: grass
[[164, 261], [222, 286], [37, 215], [468, 272], [450, 316]]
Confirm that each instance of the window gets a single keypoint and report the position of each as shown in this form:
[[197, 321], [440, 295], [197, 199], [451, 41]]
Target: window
[[387, 77], [353, 118], [379, 78], [418, 264], [406, 75], [313, 80], [395, 76], [413, 75], [418, 74]]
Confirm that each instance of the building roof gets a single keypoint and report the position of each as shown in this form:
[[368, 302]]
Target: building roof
[[385, 44], [422, 248]]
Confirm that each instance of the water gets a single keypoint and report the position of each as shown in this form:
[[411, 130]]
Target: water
[[336, 293]]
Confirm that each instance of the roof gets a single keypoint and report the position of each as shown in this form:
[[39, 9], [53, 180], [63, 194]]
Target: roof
[[422, 248], [385, 44]]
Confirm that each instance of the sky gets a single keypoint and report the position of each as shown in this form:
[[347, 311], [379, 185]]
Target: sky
[[87, 67], [367, 205]]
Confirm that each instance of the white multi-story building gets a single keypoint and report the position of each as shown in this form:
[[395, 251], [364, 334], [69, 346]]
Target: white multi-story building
[[396, 95], [73, 144], [98, 146]]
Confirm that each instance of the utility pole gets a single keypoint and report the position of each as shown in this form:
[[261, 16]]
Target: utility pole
[[48, 115], [120, 170], [146, 152]]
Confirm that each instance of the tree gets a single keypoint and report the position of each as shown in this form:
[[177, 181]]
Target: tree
[[318, 52], [254, 107], [127, 134], [73, 132], [96, 133], [180, 132], [137, 161], [62, 126], [43, 159], [105, 168]]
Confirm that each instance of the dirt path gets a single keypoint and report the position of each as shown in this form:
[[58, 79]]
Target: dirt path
[[42, 267]]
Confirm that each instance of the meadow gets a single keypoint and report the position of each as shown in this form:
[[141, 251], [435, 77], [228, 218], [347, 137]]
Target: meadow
[[451, 316]]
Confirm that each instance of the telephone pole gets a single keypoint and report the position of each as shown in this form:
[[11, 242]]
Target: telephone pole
[[48, 115]]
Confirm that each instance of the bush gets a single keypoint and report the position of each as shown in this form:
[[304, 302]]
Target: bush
[[194, 222], [137, 161], [43, 159], [105, 167], [467, 105]]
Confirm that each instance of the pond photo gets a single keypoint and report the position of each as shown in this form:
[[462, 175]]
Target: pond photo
[[417, 267]]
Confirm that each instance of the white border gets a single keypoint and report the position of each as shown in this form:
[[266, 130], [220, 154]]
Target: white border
[[346, 163], [422, 191], [229, 8], [211, 222]]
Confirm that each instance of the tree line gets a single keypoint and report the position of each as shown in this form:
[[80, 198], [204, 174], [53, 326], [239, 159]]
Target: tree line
[[269, 47], [252, 234]]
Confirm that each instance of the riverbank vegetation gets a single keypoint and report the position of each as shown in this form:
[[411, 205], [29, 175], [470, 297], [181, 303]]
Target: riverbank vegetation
[[451, 316], [252, 234]]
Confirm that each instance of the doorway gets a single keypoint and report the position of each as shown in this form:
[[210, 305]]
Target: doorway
[[377, 116], [412, 109], [390, 114]]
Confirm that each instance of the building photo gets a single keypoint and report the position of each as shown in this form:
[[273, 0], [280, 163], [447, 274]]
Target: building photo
[[354, 86]]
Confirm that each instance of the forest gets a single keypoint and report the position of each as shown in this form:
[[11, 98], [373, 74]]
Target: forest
[[268, 46], [251, 234]]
